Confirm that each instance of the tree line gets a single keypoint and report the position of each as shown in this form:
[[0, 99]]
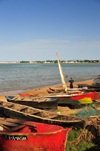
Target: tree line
[[63, 61]]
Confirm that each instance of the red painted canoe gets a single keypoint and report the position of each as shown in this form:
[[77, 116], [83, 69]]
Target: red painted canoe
[[84, 97], [32, 136], [97, 96]]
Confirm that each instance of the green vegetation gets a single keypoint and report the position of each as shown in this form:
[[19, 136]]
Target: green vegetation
[[49, 61], [85, 144], [72, 114], [39, 61], [24, 62], [63, 61], [58, 110]]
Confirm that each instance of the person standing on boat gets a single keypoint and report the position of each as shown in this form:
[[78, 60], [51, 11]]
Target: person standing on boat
[[71, 82]]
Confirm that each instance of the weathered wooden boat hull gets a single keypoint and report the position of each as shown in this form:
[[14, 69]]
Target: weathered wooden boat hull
[[50, 104], [69, 91], [44, 137], [55, 90], [24, 112], [73, 104]]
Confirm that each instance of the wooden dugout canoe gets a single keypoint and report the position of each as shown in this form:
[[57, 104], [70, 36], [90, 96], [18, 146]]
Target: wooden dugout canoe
[[69, 91], [27, 135], [37, 102], [74, 100], [24, 112]]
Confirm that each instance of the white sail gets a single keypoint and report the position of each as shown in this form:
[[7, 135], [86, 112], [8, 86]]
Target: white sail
[[61, 74]]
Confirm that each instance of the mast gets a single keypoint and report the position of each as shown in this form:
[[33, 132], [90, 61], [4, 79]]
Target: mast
[[62, 75]]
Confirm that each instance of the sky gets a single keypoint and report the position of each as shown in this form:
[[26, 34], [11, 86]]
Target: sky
[[34, 30]]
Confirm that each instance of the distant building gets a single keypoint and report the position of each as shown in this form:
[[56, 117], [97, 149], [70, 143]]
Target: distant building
[[32, 62], [46, 62]]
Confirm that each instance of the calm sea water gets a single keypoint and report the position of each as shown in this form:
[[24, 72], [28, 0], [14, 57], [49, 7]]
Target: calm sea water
[[22, 77]]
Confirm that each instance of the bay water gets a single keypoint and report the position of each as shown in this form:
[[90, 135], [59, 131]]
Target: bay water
[[15, 78]]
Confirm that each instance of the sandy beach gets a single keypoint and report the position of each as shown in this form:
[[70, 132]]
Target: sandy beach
[[62, 109], [43, 91]]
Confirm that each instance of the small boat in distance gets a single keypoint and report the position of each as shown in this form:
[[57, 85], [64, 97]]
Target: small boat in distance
[[31, 136]]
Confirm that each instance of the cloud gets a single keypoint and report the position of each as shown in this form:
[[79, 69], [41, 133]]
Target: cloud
[[93, 45], [52, 44], [38, 43]]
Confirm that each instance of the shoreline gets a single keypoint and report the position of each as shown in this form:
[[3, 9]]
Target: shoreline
[[75, 85], [35, 90]]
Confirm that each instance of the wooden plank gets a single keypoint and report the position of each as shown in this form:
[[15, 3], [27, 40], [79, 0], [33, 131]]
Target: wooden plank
[[19, 122], [8, 123], [15, 128], [3, 126]]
